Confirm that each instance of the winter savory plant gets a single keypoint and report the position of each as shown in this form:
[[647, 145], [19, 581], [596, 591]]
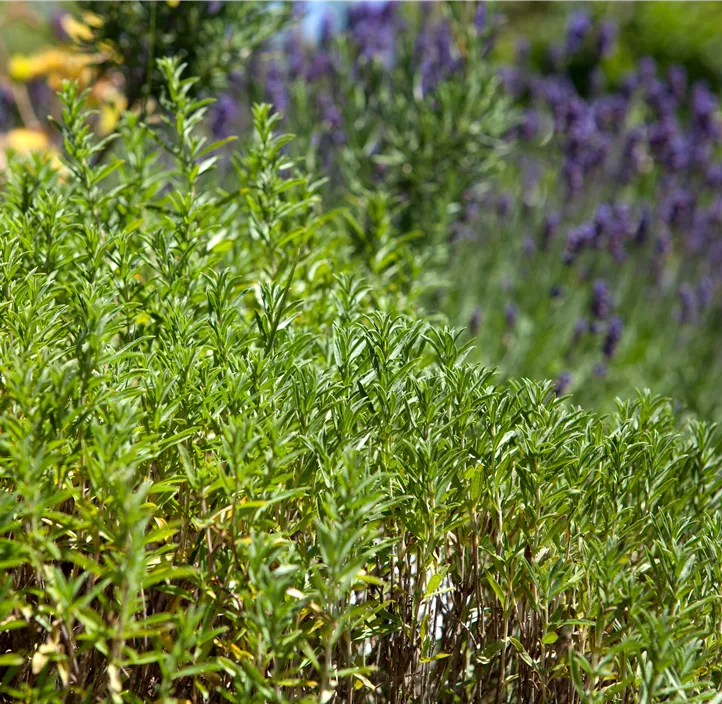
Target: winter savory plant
[[237, 465]]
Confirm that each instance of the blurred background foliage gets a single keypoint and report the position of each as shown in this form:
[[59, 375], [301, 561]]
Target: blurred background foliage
[[678, 32]]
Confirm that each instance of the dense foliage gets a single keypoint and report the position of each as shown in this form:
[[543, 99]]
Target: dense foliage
[[235, 466]]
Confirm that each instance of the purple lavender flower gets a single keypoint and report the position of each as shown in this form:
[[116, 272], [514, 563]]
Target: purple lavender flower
[[562, 383], [511, 311], [573, 177], [581, 327], [214, 7], [372, 30], [614, 335], [475, 321], [677, 80], [578, 28], [550, 228], [632, 154], [645, 221], [480, 17], [223, 115], [647, 70], [668, 145], [327, 30], [679, 208], [319, 66], [688, 304], [713, 177], [503, 205], [603, 222], [600, 370], [276, 92], [331, 117], [704, 109], [659, 97], [513, 80], [601, 304], [295, 54], [577, 239], [528, 247], [607, 38], [705, 291], [610, 112]]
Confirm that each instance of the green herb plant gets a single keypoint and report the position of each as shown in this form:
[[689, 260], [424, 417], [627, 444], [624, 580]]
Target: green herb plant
[[236, 466]]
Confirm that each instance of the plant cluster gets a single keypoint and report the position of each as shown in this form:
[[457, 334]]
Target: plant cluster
[[403, 103], [234, 470], [597, 255], [577, 227]]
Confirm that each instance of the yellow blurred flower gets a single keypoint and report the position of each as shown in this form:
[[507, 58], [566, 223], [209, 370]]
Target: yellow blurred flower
[[51, 62], [81, 31], [173, 3], [23, 140], [112, 103], [75, 29], [92, 20]]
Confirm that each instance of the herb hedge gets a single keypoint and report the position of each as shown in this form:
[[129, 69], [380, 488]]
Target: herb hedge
[[232, 470]]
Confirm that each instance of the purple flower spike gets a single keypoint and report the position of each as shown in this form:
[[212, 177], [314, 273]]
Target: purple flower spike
[[704, 109], [503, 205], [327, 30], [480, 17], [223, 114], [511, 311], [601, 304], [276, 88], [578, 28], [580, 328], [562, 383], [530, 125], [607, 38], [677, 79], [475, 321], [688, 303], [647, 70], [645, 222], [550, 228], [614, 335], [705, 291], [294, 54]]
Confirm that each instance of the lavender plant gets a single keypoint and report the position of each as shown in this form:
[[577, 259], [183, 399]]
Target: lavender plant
[[236, 466], [604, 235], [402, 102]]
